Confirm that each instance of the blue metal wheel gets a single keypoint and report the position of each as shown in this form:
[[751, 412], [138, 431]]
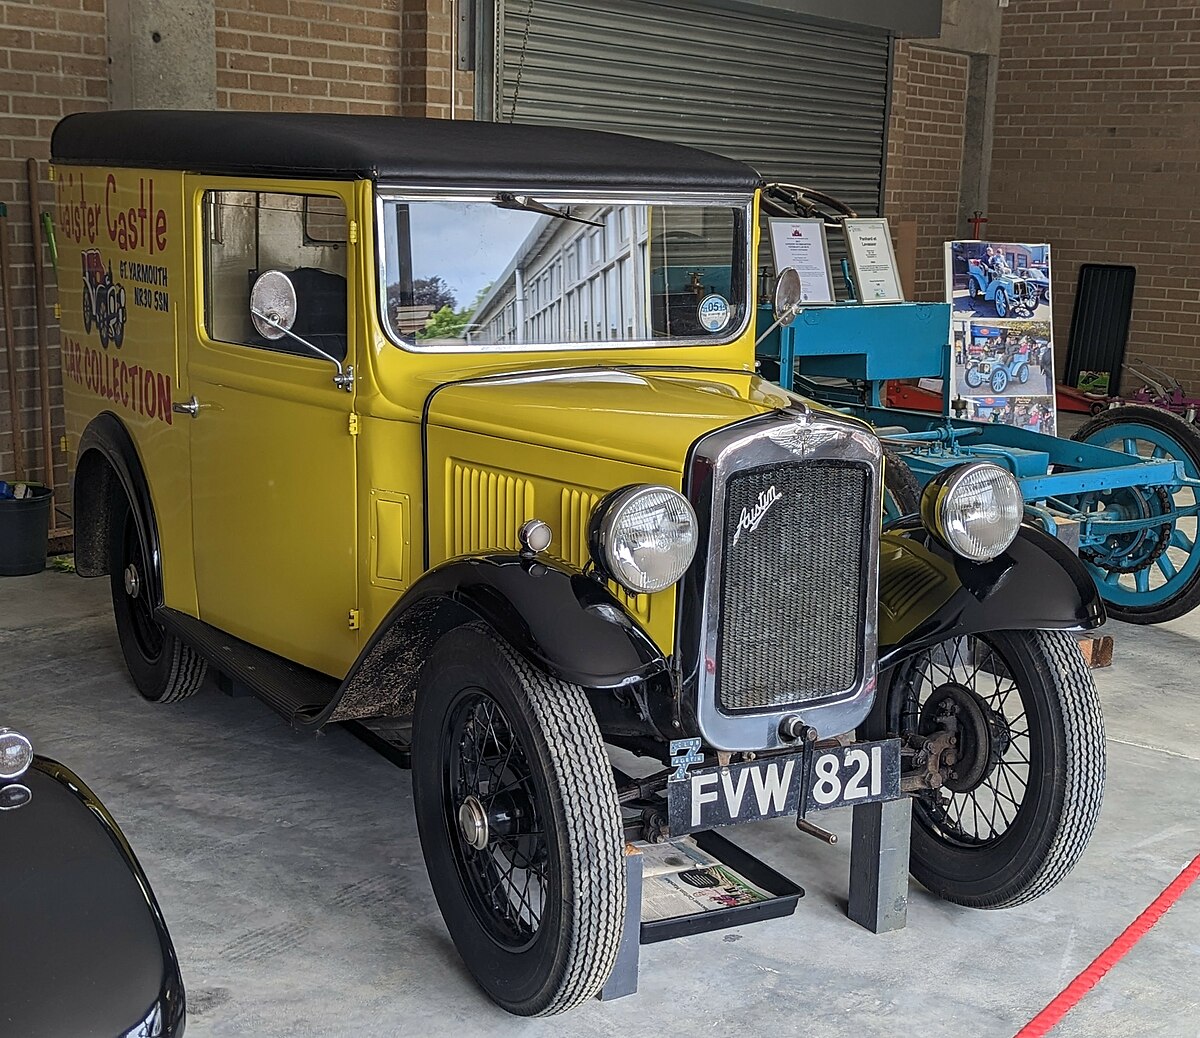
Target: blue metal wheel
[[1151, 574]]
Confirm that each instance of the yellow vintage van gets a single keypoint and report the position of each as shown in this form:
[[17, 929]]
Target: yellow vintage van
[[457, 425]]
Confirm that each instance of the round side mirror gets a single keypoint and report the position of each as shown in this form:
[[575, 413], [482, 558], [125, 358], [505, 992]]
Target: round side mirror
[[274, 298], [788, 293]]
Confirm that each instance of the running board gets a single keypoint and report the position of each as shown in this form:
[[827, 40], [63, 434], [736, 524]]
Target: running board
[[387, 736], [296, 692]]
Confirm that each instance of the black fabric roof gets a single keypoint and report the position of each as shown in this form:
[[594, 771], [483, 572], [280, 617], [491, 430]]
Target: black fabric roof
[[410, 151]]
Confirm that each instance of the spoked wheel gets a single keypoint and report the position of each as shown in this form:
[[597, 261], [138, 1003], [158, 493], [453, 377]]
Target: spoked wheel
[[901, 489], [164, 669], [102, 317], [1024, 777], [1153, 574], [999, 380], [973, 377], [519, 824], [1023, 373], [1001, 303]]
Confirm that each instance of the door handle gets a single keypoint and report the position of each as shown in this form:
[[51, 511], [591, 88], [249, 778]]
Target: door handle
[[190, 406]]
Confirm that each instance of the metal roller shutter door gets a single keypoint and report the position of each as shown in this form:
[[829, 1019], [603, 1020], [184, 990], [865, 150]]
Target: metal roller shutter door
[[798, 101]]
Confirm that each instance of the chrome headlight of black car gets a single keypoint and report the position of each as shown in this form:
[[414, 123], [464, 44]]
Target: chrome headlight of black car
[[643, 537], [973, 509], [16, 754]]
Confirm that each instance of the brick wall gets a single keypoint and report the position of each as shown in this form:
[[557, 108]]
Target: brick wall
[[1097, 148], [431, 83], [53, 61], [925, 150], [308, 56]]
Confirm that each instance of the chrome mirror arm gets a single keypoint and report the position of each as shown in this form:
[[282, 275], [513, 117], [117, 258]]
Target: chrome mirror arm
[[785, 318], [344, 379]]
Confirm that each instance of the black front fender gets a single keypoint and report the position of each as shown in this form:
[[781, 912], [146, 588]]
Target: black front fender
[[566, 624], [928, 594]]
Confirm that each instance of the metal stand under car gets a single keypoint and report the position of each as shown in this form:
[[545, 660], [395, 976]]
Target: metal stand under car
[[878, 894]]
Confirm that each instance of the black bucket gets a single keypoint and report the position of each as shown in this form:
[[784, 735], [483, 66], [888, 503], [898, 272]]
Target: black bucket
[[24, 532]]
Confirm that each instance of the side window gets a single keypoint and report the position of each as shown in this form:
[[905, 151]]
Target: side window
[[247, 233]]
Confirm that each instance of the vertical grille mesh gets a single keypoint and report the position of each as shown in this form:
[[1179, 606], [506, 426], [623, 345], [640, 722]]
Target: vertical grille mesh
[[793, 587]]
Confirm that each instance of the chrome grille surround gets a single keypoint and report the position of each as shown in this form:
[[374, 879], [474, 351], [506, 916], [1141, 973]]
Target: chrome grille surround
[[796, 437]]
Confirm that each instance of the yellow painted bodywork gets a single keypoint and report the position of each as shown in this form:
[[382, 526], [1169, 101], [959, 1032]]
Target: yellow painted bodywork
[[288, 508]]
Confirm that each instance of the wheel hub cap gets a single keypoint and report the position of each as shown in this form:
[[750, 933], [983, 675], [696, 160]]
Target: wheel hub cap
[[473, 823], [981, 733], [133, 582]]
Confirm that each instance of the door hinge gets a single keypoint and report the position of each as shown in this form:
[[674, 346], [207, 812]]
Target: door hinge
[[354, 619], [353, 424], [353, 232]]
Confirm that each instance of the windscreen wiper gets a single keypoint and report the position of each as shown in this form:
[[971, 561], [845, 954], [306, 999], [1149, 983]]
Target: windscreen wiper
[[532, 205]]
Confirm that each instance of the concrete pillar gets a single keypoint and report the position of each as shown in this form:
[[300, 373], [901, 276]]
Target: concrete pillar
[[972, 27], [162, 55]]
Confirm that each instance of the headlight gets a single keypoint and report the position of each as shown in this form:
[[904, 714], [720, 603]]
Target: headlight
[[974, 509], [643, 537], [16, 754]]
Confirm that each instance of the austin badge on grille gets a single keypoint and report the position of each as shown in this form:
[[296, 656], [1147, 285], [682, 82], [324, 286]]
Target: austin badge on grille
[[751, 517]]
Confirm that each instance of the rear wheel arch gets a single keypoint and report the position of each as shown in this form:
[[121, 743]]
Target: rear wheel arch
[[109, 468]]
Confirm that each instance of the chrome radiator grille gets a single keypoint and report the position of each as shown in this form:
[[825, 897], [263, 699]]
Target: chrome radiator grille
[[794, 583]]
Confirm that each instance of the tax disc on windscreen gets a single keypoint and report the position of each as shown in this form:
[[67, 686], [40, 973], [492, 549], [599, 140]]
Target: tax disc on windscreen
[[714, 313]]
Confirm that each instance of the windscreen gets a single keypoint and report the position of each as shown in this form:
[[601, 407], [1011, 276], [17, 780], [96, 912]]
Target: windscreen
[[518, 272]]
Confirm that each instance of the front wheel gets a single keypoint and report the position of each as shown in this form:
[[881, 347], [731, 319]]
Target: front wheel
[[519, 824], [1025, 777], [1001, 303], [973, 377], [901, 488], [164, 669]]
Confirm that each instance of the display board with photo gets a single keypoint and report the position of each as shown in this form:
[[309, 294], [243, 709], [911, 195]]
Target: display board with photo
[[1002, 333]]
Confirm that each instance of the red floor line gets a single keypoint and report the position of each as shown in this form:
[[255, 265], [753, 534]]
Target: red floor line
[[1090, 977]]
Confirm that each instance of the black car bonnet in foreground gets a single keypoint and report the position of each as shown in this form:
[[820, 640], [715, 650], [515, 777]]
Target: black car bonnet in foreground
[[85, 949]]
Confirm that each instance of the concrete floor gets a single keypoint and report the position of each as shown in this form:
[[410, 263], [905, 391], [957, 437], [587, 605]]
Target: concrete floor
[[290, 874]]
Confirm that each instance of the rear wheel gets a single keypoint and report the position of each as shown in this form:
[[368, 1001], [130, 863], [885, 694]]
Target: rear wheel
[[1025, 783], [164, 668], [999, 380], [1150, 575], [519, 824]]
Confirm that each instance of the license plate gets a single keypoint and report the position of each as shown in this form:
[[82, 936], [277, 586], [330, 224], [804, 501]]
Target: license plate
[[747, 792]]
